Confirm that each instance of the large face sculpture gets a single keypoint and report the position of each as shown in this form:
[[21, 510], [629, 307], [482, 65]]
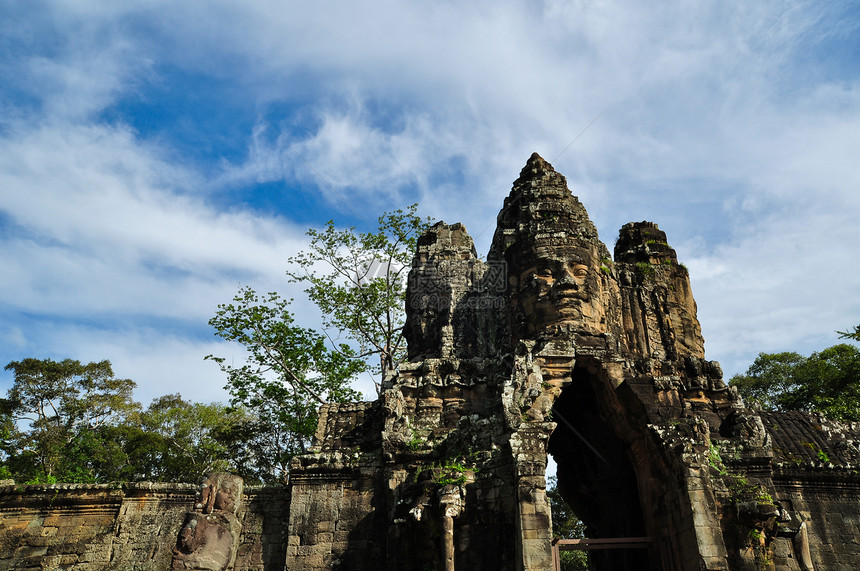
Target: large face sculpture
[[559, 288]]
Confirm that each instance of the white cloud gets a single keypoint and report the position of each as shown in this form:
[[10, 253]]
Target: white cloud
[[108, 225], [784, 285], [158, 361], [710, 125]]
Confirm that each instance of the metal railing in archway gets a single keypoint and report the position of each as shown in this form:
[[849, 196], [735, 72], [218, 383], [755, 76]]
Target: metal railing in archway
[[660, 546]]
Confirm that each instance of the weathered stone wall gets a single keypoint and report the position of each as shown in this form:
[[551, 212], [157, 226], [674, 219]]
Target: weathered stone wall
[[814, 475], [828, 509], [336, 493], [129, 527]]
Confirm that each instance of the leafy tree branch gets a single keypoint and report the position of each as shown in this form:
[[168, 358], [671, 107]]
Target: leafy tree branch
[[288, 372], [827, 381], [358, 282]]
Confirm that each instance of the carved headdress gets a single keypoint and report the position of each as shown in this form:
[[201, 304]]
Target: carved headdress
[[554, 257]]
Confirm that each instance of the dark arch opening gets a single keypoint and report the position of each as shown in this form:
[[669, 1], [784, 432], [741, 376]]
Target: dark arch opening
[[595, 475]]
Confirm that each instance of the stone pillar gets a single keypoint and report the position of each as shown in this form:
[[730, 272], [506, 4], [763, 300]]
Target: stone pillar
[[534, 525], [694, 526], [451, 504]]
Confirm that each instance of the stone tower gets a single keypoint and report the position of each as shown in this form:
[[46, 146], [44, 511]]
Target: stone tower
[[554, 346]]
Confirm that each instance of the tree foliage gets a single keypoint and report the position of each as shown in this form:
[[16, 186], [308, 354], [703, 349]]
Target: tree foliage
[[827, 381], [289, 372], [180, 440], [566, 525], [62, 408], [65, 421], [357, 279], [853, 334], [68, 422]]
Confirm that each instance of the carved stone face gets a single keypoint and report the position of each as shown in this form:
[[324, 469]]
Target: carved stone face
[[560, 288]]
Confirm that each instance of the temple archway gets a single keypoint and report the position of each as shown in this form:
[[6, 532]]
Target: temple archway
[[596, 474]]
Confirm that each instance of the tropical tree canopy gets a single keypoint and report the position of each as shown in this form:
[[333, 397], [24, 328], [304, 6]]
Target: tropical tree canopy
[[289, 372], [827, 381]]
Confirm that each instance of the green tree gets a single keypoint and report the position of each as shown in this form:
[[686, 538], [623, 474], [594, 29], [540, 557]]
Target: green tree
[[289, 372], [64, 407], [566, 525], [770, 380], [855, 334], [254, 445], [8, 438], [67, 422], [827, 381], [180, 440], [122, 452], [361, 290]]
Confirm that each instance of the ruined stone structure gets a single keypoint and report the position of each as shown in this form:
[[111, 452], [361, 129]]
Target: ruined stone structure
[[136, 527], [550, 346]]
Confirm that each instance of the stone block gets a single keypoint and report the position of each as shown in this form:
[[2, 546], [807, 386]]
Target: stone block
[[527, 509]]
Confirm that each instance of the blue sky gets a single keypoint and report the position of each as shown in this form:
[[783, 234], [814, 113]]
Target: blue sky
[[154, 156]]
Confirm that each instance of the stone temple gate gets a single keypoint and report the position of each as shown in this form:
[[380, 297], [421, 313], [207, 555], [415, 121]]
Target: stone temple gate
[[553, 346], [550, 346]]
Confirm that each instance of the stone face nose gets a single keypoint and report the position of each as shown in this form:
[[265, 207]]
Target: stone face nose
[[568, 278]]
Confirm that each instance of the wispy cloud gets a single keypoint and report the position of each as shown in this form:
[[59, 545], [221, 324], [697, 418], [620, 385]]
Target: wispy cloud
[[127, 198]]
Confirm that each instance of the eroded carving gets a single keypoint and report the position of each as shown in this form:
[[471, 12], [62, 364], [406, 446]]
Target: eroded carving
[[210, 535]]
